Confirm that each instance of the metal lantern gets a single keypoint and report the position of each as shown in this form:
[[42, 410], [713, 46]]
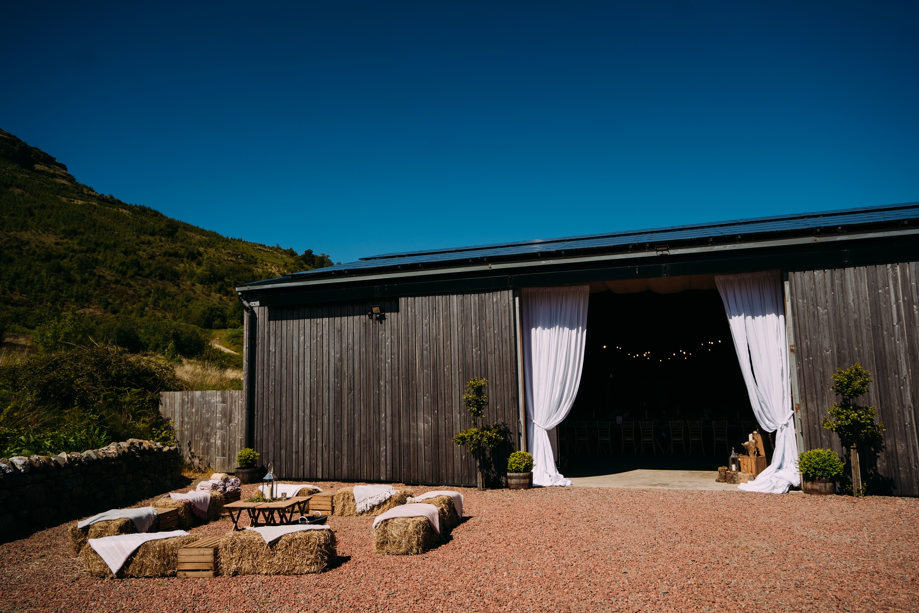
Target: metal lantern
[[269, 485]]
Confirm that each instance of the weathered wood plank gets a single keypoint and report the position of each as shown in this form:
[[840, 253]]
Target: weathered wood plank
[[871, 315]]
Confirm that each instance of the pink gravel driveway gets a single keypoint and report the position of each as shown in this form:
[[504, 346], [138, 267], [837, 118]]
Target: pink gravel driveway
[[552, 549]]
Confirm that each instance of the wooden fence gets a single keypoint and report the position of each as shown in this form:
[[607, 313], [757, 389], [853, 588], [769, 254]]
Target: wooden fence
[[210, 426]]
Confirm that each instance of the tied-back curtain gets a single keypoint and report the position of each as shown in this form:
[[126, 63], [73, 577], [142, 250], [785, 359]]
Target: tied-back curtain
[[554, 322], [756, 314]]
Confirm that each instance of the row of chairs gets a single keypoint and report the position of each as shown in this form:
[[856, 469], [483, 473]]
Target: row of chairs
[[639, 436]]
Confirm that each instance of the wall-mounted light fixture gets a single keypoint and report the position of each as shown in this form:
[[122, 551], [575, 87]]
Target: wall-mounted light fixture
[[376, 312]]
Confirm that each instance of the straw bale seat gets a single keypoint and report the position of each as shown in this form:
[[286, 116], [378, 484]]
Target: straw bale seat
[[343, 502], [79, 536], [186, 517], [449, 518], [404, 536], [298, 553], [157, 558]]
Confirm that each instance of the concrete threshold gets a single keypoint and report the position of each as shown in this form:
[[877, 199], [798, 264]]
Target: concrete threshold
[[657, 479]]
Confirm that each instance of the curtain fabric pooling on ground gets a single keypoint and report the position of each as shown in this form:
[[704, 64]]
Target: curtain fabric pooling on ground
[[753, 303], [554, 333]]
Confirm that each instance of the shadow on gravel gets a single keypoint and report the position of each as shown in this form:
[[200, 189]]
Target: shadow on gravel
[[338, 562]]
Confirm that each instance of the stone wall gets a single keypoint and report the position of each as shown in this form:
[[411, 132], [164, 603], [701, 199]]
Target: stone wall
[[40, 491]]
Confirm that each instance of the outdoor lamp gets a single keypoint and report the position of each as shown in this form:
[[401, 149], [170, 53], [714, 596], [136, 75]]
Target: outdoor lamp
[[376, 312], [269, 484]]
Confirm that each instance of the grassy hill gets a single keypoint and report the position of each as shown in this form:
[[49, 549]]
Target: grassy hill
[[81, 267]]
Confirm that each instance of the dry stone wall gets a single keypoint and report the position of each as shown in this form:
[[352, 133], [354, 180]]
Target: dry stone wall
[[39, 491]]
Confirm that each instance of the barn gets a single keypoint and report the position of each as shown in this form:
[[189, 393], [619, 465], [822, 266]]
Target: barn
[[356, 371]]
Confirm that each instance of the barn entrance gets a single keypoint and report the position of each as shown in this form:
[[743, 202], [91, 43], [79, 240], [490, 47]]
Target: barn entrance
[[661, 387]]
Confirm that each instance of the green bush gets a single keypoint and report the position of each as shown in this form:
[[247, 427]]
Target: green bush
[[520, 462], [92, 389], [247, 458], [854, 423], [820, 464]]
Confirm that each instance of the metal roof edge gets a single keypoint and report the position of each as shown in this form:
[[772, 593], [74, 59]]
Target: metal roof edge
[[280, 283]]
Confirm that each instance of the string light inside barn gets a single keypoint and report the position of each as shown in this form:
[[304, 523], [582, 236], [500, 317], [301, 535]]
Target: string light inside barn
[[667, 356]]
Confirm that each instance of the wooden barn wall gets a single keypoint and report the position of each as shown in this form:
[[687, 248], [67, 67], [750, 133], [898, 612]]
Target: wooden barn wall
[[210, 426], [866, 314], [338, 396]]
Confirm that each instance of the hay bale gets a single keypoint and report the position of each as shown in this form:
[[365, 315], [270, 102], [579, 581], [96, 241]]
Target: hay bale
[[215, 506], [298, 553], [79, 536], [186, 517], [404, 536], [449, 518], [343, 502], [157, 558]]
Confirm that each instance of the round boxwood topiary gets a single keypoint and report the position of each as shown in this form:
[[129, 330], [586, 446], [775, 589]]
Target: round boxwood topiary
[[820, 464], [247, 458], [520, 462]]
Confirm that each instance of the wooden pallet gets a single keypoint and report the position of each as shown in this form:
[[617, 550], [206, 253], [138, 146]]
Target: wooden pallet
[[198, 559], [321, 502]]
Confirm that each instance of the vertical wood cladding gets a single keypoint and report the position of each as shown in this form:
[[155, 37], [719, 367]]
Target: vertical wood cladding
[[866, 314], [339, 396]]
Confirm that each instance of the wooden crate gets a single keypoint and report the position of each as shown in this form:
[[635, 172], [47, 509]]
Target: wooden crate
[[751, 465], [321, 502], [198, 559], [166, 519]]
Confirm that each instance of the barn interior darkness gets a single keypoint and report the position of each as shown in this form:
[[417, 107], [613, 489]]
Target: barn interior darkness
[[658, 366]]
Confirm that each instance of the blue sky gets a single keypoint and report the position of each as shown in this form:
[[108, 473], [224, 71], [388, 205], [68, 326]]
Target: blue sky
[[362, 127]]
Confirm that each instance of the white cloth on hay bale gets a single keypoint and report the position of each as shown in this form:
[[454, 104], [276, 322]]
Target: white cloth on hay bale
[[200, 501], [272, 533], [142, 517], [115, 550], [291, 489], [455, 496], [368, 496], [415, 509]]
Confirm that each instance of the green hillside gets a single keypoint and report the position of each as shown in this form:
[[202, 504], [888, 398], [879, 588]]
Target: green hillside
[[78, 267]]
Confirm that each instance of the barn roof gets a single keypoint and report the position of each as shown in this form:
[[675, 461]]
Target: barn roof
[[776, 232]]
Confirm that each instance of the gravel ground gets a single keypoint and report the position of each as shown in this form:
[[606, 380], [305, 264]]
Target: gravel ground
[[552, 549]]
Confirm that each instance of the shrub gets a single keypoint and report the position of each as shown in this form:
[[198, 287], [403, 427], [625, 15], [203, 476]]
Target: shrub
[[520, 462], [820, 464], [480, 441], [94, 391], [247, 458], [854, 423]]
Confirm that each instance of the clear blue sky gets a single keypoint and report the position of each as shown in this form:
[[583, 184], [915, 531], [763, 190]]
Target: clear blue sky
[[363, 127]]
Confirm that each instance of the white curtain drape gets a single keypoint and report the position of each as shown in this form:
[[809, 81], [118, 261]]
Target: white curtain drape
[[554, 322], [756, 313]]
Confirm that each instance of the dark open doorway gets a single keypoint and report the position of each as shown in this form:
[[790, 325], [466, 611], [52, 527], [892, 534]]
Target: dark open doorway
[[661, 387]]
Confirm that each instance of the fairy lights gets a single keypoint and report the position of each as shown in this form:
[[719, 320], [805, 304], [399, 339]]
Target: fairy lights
[[668, 356]]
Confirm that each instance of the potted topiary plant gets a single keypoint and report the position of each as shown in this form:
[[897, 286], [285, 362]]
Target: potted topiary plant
[[820, 468], [247, 465], [854, 423], [520, 471], [479, 441]]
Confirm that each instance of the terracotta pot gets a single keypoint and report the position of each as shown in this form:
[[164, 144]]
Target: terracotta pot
[[818, 486], [519, 481], [247, 475]]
